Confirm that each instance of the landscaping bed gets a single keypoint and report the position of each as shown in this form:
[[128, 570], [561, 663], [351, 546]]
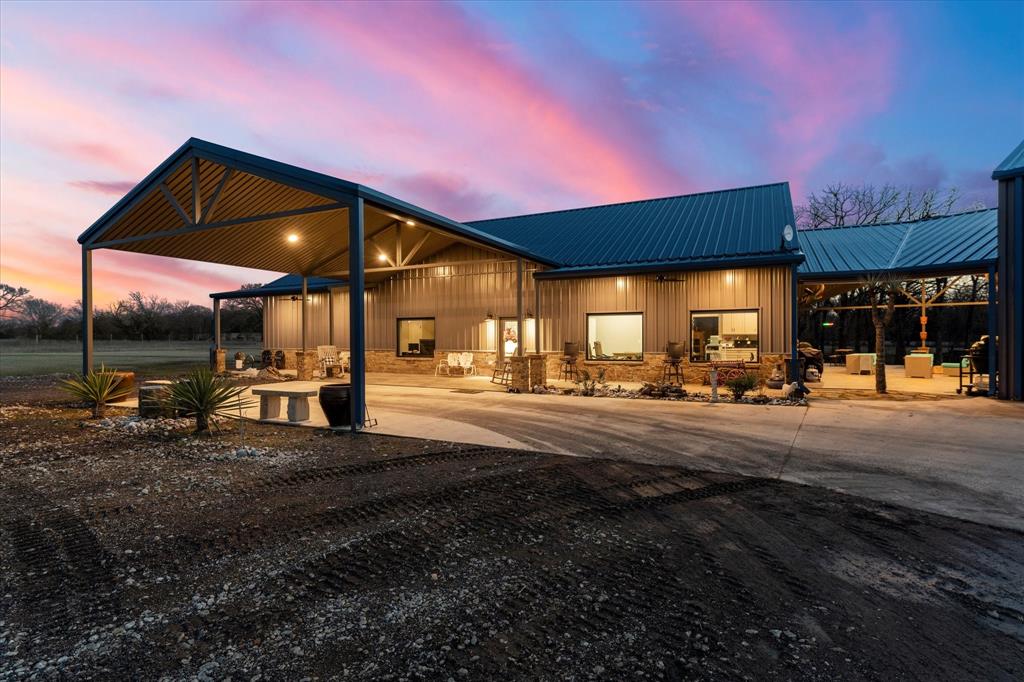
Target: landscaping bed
[[147, 554]]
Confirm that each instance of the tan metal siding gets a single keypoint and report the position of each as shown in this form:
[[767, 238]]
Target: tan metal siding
[[282, 326], [667, 304], [460, 296]]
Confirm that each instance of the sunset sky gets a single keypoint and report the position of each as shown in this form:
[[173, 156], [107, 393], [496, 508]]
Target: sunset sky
[[478, 110]]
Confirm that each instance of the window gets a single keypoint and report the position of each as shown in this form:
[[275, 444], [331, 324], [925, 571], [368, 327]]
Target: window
[[724, 336], [615, 336], [416, 337]]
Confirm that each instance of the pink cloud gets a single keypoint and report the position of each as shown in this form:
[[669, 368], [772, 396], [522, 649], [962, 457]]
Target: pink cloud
[[487, 95], [445, 193], [814, 89], [112, 187]]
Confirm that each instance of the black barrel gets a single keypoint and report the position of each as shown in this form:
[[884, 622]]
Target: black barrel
[[336, 402]]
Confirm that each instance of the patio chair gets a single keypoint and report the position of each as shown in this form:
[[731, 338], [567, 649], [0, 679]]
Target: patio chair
[[466, 361], [446, 363], [330, 361]]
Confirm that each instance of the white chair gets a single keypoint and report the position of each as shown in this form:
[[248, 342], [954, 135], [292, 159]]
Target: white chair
[[444, 365], [328, 357], [466, 361]]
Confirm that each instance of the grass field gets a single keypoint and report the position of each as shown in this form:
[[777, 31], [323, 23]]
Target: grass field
[[22, 358]]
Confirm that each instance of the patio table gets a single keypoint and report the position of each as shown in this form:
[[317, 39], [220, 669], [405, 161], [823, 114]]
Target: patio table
[[860, 363], [918, 365]]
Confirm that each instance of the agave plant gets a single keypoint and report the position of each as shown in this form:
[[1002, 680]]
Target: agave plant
[[203, 395], [97, 389]]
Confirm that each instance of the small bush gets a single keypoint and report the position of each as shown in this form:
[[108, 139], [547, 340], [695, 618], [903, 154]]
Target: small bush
[[97, 389], [203, 395], [739, 386]]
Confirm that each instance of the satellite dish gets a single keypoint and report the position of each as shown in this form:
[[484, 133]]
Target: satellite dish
[[788, 237]]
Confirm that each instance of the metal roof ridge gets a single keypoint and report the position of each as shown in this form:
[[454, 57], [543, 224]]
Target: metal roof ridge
[[626, 203], [897, 222], [899, 249]]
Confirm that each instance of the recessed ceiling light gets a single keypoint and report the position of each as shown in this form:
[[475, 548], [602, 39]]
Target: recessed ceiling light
[[292, 238], [382, 258]]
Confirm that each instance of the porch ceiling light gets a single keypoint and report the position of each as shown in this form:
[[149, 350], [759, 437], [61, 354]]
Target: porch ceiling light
[[381, 257], [293, 238], [410, 223]]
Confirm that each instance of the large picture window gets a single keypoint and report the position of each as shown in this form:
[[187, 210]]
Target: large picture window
[[724, 336], [615, 336], [416, 337]]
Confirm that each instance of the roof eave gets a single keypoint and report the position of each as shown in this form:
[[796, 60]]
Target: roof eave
[[966, 267], [1008, 173], [788, 258]]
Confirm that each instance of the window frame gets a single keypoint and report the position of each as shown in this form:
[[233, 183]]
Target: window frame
[[719, 311], [398, 337], [586, 330]]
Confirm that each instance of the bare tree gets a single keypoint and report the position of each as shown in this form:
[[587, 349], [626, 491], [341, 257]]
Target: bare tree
[[840, 204], [11, 298], [41, 315], [881, 291]]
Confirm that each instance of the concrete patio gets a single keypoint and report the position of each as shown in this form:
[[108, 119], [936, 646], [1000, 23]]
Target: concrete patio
[[959, 456]]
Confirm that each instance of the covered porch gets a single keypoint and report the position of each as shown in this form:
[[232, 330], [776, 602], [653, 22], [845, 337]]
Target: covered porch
[[218, 205]]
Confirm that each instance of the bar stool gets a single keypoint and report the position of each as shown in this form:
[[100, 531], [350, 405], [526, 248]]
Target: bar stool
[[671, 372], [568, 368]]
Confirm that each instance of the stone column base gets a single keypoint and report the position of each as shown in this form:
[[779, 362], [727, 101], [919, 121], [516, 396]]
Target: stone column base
[[217, 360], [520, 373], [538, 370], [304, 365]]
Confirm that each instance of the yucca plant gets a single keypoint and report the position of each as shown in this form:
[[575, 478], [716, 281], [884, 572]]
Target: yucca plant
[[203, 395], [97, 389]]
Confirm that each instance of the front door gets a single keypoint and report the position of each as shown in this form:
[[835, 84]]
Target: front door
[[508, 337]]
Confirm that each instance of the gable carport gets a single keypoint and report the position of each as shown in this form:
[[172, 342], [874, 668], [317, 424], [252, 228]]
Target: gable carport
[[215, 204]]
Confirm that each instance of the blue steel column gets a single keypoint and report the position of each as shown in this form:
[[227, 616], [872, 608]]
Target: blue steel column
[[1014, 307], [86, 310], [794, 362], [356, 313], [993, 330]]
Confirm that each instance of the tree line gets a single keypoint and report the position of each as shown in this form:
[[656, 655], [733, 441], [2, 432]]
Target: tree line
[[139, 317]]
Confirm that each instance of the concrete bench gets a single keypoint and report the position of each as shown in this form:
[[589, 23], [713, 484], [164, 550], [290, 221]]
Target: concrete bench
[[298, 402]]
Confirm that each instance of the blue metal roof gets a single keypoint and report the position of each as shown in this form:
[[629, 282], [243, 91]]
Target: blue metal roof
[[283, 286], [710, 228], [1012, 165], [957, 242]]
